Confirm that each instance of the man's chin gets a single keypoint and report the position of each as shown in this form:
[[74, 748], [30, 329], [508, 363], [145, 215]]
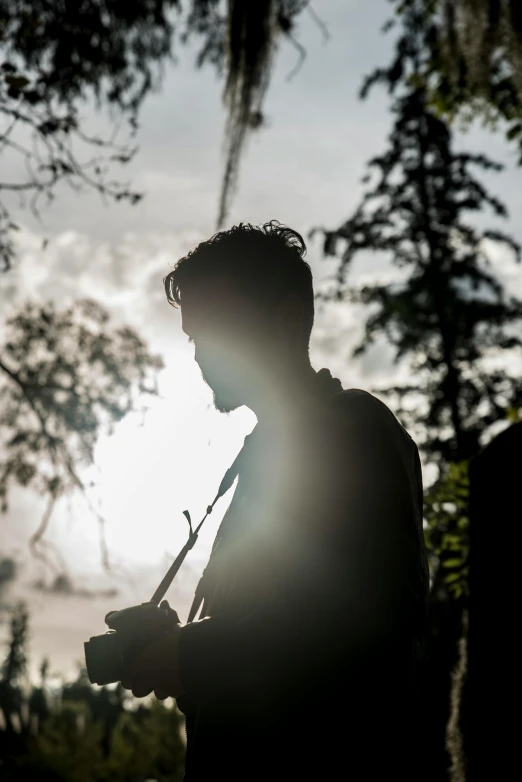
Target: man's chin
[[225, 405]]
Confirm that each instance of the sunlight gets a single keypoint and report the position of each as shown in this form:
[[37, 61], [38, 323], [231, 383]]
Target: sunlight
[[149, 472]]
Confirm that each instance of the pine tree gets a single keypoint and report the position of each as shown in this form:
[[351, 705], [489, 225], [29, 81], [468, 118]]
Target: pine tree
[[450, 314]]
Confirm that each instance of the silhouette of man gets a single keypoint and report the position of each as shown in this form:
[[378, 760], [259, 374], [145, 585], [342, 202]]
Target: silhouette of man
[[303, 661]]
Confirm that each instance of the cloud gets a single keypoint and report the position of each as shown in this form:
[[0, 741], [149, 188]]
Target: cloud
[[125, 276]]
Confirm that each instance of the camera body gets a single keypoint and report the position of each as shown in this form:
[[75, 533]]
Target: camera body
[[130, 631]]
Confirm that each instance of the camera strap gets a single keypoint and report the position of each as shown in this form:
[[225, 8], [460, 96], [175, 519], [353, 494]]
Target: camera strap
[[226, 483]]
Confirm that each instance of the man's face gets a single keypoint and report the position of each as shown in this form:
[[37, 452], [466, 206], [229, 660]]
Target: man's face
[[229, 336]]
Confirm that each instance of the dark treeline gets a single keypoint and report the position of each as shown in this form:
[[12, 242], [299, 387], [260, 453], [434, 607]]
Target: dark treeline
[[74, 732]]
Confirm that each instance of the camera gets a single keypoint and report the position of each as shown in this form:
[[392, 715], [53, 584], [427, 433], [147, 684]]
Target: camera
[[130, 631]]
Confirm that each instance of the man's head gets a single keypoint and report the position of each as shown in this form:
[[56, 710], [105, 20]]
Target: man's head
[[247, 303]]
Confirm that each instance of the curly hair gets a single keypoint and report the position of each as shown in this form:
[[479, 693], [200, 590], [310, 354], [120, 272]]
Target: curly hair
[[266, 262]]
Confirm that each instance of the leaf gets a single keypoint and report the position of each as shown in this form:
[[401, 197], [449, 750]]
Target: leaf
[[514, 131], [18, 82], [513, 414], [450, 563], [452, 577]]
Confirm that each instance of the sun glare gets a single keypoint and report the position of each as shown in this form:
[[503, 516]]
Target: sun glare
[[149, 472]]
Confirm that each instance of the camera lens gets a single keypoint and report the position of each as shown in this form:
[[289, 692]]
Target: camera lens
[[103, 658]]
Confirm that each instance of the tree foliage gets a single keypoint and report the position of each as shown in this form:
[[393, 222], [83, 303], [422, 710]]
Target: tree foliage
[[54, 56], [15, 664], [449, 315], [65, 376], [14, 667], [107, 47], [75, 732], [474, 66], [447, 531]]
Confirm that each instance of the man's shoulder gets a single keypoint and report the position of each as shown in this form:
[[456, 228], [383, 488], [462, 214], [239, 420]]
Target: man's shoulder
[[360, 414], [359, 405]]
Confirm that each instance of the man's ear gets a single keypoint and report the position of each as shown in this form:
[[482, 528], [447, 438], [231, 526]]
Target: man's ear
[[288, 316]]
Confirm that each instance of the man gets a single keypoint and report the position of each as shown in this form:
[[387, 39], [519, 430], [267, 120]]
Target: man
[[303, 661]]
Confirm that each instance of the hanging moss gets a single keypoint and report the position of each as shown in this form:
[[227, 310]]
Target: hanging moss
[[252, 33], [476, 33], [250, 45]]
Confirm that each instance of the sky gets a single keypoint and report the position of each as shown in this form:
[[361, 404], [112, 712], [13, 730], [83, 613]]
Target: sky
[[303, 169]]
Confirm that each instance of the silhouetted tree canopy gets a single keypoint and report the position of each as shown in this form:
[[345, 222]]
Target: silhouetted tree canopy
[[14, 666], [69, 49], [15, 663], [74, 732], [450, 313], [449, 317], [474, 66], [54, 56], [65, 376]]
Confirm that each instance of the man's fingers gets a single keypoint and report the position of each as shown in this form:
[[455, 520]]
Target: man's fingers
[[173, 615], [141, 687], [144, 661], [160, 695], [137, 674], [153, 668]]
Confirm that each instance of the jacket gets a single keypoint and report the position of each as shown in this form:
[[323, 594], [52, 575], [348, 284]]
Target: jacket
[[305, 658]]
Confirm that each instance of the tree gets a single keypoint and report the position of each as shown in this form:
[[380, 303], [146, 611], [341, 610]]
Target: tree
[[147, 744], [474, 66], [104, 704], [55, 55], [65, 376], [446, 319], [450, 313], [52, 57], [14, 667], [79, 733], [68, 748]]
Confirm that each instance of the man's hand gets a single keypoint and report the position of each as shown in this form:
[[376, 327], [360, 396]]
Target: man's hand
[[156, 668]]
